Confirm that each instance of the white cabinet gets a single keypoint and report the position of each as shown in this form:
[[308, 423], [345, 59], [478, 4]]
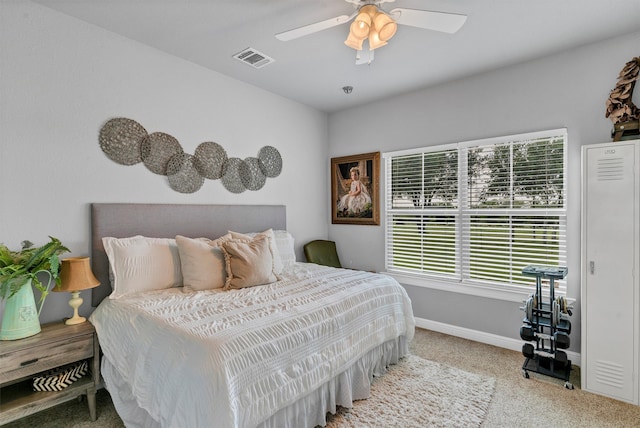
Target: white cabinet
[[610, 270]]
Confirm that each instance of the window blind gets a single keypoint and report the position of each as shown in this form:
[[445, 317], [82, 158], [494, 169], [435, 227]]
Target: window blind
[[480, 211]]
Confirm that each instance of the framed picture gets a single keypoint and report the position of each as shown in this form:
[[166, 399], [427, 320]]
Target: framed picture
[[354, 189]]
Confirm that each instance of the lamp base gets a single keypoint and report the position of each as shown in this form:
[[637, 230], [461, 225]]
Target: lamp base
[[75, 303], [75, 320]]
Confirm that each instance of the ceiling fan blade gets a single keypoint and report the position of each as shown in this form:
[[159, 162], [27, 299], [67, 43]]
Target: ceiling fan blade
[[437, 21], [313, 28]]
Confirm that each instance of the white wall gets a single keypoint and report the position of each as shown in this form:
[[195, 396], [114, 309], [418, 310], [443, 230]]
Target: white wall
[[566, 90], [61, 79]]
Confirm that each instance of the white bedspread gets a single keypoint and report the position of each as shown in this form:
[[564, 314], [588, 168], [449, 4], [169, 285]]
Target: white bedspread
[[234, 358]]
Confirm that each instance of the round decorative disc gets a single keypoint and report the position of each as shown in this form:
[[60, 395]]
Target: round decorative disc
[[251, 174], [120, 140], [183, 176], [210, 158], [156, 149], [231, 175], [270, 161]]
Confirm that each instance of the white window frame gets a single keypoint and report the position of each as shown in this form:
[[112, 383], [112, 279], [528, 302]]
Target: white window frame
[[508, 292]]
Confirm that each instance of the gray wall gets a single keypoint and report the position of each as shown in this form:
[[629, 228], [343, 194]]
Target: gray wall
[[61, 79], [565, 90]]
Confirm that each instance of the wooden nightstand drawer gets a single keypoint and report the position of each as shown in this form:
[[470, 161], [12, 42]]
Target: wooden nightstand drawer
[[26, 362]]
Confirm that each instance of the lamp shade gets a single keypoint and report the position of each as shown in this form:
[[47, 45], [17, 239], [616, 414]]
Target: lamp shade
[[374, 41], [360, 26], [76, 275], [353, 43], [369, 9], [385, 26]]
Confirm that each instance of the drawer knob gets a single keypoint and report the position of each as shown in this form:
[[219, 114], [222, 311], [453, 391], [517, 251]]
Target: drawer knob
[[26, 363]]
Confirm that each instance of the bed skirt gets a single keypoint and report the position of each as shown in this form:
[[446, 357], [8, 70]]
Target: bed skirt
[[307, 412]]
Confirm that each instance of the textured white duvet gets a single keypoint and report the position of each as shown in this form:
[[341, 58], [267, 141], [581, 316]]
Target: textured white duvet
[[235, 358]]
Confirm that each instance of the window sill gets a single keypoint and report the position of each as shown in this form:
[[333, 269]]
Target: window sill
[[511, 294]]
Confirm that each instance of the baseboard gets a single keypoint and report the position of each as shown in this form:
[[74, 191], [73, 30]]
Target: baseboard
[[483, 337]]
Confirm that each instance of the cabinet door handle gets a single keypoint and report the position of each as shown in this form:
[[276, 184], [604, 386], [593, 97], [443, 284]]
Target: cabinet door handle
[[26, 363], [592, 267]]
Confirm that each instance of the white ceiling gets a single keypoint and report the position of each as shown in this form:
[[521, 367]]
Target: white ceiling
[[313, 69]]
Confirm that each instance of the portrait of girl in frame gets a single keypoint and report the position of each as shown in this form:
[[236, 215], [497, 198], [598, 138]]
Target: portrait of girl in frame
[[354, 189]]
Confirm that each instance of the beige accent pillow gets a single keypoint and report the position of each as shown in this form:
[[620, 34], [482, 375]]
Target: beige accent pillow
[[248, 263], [277, 261], [202, 261]]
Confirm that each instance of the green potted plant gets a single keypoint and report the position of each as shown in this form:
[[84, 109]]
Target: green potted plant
[[19, 270]]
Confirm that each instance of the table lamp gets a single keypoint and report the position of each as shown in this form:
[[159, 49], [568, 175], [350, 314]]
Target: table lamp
[[76, 275]]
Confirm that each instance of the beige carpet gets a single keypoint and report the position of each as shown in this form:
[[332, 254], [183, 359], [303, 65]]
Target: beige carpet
[[421, 393], [540, 401]]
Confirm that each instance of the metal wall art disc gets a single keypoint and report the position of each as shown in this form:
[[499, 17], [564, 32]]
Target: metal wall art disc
[[270, 161], [156, 149], [126, 142], [182, 174], [231, 176], [210, 158], [120, 140], [251, 174]]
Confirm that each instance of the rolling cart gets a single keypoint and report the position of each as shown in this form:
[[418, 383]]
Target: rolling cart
[[546, 327]]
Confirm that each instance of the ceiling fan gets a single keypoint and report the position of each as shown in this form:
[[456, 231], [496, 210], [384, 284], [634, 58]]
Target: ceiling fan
[[374, 25]]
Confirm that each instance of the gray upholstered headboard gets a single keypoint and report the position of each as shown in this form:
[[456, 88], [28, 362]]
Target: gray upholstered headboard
[[167, 221]]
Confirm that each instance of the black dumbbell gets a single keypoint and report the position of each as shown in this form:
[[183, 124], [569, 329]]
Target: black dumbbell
[[527, 333], [565, 326], [528, 350], [562, 339], [561, 359]]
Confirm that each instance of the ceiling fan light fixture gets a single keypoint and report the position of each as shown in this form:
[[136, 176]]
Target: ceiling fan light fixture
[[369, 9], [353, 42], [361, 25], [385, 26], [375, 41], [371, 23]]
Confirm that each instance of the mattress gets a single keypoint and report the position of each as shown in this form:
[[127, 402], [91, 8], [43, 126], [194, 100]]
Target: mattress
[[252, 357]]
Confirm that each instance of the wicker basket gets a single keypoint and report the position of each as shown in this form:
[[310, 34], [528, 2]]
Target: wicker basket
[[59, 379]]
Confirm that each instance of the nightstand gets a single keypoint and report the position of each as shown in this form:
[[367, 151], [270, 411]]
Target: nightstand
[[55, 346]]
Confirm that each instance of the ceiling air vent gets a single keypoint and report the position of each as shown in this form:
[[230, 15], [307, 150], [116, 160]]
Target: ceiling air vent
[[254, 58]]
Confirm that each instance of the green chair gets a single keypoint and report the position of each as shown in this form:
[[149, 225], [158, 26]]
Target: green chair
[[322, 252]]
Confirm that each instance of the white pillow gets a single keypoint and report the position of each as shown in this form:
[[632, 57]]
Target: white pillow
[[285, 243], [139, 264], [202, 261], [277, 261]]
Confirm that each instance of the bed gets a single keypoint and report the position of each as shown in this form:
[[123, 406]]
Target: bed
[[181, 351]]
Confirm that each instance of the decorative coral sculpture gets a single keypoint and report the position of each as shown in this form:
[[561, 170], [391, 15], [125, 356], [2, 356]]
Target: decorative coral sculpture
[[620, 107]]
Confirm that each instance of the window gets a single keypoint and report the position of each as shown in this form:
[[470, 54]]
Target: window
[[478, 212]]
